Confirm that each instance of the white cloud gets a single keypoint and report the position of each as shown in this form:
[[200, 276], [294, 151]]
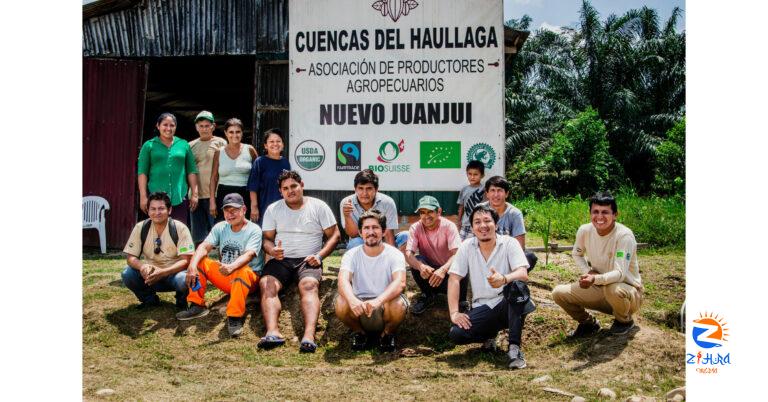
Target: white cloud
[[553, 28]]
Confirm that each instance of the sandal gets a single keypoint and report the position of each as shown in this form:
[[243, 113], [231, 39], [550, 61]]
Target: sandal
[[270, 342], [307, 346]]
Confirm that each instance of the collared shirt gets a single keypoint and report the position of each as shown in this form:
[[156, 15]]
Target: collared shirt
[[169, 253], [204, 151], [505, 258], [434, 245], [167, 168], [384, 203]]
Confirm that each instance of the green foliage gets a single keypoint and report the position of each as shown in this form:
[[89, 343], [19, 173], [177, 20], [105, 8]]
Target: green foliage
[[576, 161], [629, 68], [654, 220], [670, 163]]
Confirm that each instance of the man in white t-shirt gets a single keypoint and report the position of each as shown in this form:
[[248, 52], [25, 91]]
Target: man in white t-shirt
[[498, 272], [371, 285], [610, 280], [293, 235]]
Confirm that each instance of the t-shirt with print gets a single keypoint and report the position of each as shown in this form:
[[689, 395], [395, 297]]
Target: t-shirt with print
[[301, 231], [506, 257], [232, 245], [435, 245], [169, 253], [372, 275], [204, 151], [384, 203], [469, 197]]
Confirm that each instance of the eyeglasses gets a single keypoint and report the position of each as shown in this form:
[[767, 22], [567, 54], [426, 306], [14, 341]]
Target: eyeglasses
[[158, 243]]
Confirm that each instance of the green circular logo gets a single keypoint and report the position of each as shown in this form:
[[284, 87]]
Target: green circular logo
[[388, 151], [482, 152], [309, 155]]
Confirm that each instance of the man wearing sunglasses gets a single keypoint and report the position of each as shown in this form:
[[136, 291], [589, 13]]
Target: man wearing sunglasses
[[163, 268]]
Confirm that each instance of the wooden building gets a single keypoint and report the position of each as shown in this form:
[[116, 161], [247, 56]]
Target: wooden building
[[145, 57]]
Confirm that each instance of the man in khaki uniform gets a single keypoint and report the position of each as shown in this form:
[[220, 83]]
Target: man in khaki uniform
[[204, 148], [166, 255], [610, 280]]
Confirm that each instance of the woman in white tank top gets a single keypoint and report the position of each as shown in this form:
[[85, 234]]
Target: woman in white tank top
[[231, 168]]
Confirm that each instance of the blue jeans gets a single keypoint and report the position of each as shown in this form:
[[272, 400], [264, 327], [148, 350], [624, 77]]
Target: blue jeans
[[146, 294], [400, 239], [201, 220]]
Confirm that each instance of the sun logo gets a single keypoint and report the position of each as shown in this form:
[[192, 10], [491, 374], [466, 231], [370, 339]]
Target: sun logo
[[709, 330]]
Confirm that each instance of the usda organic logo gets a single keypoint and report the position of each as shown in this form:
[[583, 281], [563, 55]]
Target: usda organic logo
[[309, 155]]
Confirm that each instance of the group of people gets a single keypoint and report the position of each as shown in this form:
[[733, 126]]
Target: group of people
[[270, 236]]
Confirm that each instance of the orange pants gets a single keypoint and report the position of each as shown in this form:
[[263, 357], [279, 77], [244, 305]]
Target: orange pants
[[238, 285]]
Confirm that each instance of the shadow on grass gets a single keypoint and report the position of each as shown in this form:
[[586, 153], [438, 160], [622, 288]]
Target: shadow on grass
[[133, 322], [598, 349]]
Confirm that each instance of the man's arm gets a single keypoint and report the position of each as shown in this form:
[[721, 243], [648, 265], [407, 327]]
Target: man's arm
[[349, 224], [238, 263], [437, 277], [268, 242], [332, 234], [461, 213], [521, 240], [425, 270], [201, 252], [579, 248], [460, 319], [193, 199], [345, 291], [393, 290]]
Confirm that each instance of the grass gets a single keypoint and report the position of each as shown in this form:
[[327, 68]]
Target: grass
[[657, 221], [148, 355]]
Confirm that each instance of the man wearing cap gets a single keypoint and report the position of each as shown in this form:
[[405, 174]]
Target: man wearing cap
[[432, 244], [239, 244], [294, 228], [511, 221], [371, 285], [203, 148], [165, 258], [365, 198], [498, 270]]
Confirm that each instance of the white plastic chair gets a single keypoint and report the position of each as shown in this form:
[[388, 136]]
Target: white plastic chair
[[94, 210]]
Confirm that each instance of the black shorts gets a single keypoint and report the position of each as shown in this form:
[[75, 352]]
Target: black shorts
[[290, 270]]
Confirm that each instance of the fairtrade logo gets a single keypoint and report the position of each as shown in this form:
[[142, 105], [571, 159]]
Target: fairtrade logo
[[309, 155], [389, 151], [440, 154], [348, 156], [482, 152], [709, 331], [394, 8]]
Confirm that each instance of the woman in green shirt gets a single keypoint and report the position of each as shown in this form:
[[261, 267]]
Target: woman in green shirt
[[166, 163]]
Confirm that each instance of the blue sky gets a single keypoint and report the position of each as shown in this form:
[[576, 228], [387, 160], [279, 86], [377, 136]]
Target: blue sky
[[557, 13]]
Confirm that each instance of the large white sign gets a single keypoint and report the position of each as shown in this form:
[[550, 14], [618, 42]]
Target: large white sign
[[412, 89]]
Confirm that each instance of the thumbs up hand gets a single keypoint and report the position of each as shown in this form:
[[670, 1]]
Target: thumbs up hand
[[278, 252], [496, 279]]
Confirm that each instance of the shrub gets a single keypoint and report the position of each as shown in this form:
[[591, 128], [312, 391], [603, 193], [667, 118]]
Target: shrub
[[670, 163]]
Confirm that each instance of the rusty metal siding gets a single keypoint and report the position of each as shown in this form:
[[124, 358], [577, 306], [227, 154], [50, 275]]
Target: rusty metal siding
[[164, 28], [113, 109]]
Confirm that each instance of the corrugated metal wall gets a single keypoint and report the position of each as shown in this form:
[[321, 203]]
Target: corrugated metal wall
[[113, 108], [189, 28]]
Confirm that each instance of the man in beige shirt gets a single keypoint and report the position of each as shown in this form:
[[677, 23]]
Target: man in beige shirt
[[167, 248], [610, 280], [204, 148]]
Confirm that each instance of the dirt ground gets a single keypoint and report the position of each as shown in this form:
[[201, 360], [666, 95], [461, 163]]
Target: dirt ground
[[148, 355]]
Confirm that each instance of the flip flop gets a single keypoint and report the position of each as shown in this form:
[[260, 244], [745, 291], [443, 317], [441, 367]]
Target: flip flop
[[270, 342], [307, 346]]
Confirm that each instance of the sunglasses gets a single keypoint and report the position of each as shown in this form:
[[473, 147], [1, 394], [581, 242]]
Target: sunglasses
[[158, 243]]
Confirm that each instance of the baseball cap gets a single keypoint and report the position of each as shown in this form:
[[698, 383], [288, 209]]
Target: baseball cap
[[204, 115], [428, 202], [233, 200]]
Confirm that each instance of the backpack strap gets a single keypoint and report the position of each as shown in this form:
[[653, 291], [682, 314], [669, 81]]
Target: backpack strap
[[145, 232], [172, 231]]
